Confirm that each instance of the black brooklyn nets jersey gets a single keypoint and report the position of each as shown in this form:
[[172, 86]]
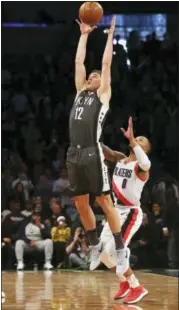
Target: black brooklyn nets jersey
[[86, 119]]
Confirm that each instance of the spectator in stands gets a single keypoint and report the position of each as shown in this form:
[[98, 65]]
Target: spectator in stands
[[78, 250], [157, 213], [28, 209], [37, 204], [61, 186], [57, 210], [18, 194], [10, 227], [5, 211], [60, 236], [166, 193], [12, 221], [26, 183], [34, 235], [147, 243]]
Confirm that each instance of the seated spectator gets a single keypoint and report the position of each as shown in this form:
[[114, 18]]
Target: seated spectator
[[39, 207], [4, 213], [37, 203], [34, 235], [18, 194], [28, 209], [61, 186], [157, 213], [27, 184], [13, 220], [147, 245], [10, 226], [60, 236], [57, 210], [78, 250]]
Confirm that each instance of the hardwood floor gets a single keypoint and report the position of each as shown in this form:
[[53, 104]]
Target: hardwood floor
[[82, 290]]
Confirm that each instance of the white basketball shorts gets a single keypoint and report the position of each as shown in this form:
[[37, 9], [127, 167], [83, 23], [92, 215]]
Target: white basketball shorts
[[131, 220]]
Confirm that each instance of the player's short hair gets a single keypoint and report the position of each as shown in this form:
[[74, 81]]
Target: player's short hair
[[147, 142], [96, 71]]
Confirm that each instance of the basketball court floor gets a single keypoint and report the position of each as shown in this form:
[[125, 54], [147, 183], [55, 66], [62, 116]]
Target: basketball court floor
[[67, 290]]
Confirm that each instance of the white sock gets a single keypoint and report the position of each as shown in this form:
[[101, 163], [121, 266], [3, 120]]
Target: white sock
[[133, 282], [122, 278]]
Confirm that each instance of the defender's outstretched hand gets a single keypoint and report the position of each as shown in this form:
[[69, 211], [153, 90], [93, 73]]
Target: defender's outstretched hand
[[112, 26], [129, 134], [84, 28]]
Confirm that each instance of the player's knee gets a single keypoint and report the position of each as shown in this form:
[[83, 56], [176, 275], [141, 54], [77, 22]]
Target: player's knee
[[106, 203], [81, 202]]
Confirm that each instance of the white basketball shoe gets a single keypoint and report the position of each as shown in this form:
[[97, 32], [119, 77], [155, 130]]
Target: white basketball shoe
[[95, 255]]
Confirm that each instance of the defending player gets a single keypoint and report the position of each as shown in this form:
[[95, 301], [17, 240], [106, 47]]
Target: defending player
[[87, 171], [129, 178]]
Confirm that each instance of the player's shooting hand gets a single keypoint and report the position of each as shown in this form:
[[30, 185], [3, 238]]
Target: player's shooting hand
[[84, 28], [129, 133]]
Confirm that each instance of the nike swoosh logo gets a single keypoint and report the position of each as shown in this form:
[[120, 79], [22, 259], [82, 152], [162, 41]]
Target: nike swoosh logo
[[126, 256], [91, 154], [123, 213], [100, 251]]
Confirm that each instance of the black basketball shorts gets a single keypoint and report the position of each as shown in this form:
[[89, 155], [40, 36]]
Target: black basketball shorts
[[87, 171]]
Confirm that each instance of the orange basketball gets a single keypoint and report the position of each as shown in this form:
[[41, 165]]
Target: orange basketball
[[91, 13]]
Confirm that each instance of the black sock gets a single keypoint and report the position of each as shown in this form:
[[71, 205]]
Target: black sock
[[118, 241], [92, 237]]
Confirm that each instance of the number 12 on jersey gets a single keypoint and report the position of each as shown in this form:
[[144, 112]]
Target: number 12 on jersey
[[78, 113]]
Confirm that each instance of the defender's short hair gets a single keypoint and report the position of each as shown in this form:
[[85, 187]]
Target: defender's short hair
[[96, 71]]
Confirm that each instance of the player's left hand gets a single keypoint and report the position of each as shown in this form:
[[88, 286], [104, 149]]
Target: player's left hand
[[129, 133], [84, 28]]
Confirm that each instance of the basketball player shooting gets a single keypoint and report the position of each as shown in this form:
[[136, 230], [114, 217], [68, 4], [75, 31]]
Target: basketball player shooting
[[87, 171], [129, 178]]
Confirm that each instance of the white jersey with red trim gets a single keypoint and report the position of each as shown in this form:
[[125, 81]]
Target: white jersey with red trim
[[126, 185]]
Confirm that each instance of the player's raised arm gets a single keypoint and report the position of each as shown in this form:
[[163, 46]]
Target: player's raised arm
[[111, 155], [80, 71], [107, 60], [141, 146]]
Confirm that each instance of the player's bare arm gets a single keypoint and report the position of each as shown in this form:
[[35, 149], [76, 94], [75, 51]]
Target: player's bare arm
[[80, 70], [105, 87], [140, 146], [111, 155]]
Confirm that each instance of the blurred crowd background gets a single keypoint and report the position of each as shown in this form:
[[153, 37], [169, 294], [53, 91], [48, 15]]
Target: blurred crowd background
[[37, 94]]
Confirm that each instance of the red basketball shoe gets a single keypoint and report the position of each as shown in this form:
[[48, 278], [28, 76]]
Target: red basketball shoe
[[124, 289], [135, 295]]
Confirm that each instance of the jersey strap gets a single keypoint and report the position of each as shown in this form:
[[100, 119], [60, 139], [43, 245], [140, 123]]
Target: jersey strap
[[120, 197]]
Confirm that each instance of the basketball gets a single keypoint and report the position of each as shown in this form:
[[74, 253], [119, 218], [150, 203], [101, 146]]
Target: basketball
[[91, 13]]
